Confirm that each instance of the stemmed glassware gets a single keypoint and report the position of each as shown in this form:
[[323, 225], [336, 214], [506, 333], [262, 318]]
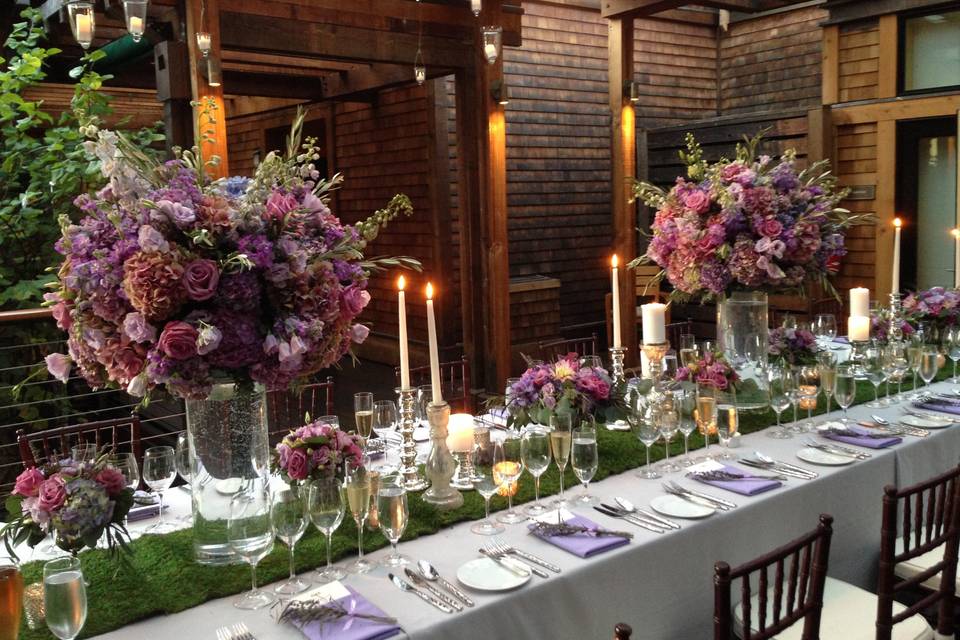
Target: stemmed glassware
[[357, 485], [669, 422], [159, 471], [914, 358], [929, 364], [507, 473], [809, 389], [486, 486], [951, 344], [645, 428], [535, 454], [182, 462], [363, 414], [326, 506], [289, 517], [64, 597], [386, 418], [84, 452], [706, 416], [781, 383], [561, 437], [685, 398], [899, 362], [827, 366], [592, 362], [876, 375], [394, 513], [688, 349], [583, 458], [728, 425], [845, 387], [825, 329], [250, 531], [126, 463]]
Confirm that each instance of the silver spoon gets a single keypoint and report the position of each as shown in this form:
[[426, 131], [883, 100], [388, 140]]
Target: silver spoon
[[629, 507], [429, 572], [762, 457]]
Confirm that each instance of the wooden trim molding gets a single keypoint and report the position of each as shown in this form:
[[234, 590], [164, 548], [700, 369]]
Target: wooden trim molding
[[885, 204], [888, 63], [897, 109], [830, 84]]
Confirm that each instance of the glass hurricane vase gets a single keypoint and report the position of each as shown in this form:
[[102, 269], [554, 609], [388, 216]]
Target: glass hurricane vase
[[742, 335]]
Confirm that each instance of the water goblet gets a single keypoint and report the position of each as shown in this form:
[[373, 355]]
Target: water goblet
[[782, 382], [561, 427], [685, 398], [289, 517], [357, 484], [875, 373], [394, 513], [535, 454], [64, 597], [728, 425], [845, 387], [250, 532], [486, 485], [326, 507], [159, 471], [507, 472], [584, 460]]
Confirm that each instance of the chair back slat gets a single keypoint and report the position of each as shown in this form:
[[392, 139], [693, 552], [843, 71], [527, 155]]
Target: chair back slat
[[38, 447], [454, 382], [552, 350], [676, 329], [287, 409], [802, 599]]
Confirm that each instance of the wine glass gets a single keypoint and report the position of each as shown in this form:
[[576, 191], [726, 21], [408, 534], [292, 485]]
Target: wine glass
[[363, 414], [809, 389], [250, 532], [825, 329], [357, 484], [584, 460], [424, 396], [159, 471], [11, 597], [781, 383], [669, 422], [561, 425], [535, 455], [386, 418], [84, 452], [827, 366], [182, 462], [685, 398], [688, 349], [706, 417], [486, 485], [592, 362], [644, 427], [507, 472], [952, 348], [333, 421], [728, 425], [394, 515], [895, 365], [845, 387], [929, 364], [873, 369], [914, 358], [326, 506], [64, 597], [289, 517], [126, 463]]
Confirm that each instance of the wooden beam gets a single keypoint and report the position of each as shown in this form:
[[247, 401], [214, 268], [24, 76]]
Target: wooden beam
[[830, 65], [620, 45], [272, 85], [889, 44], [251, 57], [885, 204], [377, 76], [172, 69], [897, 109], [820, 136], [208, 98], [636, 8]]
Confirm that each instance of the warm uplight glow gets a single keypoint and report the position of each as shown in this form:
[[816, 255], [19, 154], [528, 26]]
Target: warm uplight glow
[[401, 283], [897, 222], [614, 261], [955, 233], [429, 291]]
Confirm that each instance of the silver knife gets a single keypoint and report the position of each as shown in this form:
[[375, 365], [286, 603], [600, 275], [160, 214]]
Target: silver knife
[[720, 501], [649, 526], [529, 557], [703, 503], [421, 582], [779, 469], [403, 585], [449, 586], [509, 565], [651, 515]]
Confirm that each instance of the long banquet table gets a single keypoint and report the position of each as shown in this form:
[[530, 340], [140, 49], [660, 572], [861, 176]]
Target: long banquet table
[[660, 584]]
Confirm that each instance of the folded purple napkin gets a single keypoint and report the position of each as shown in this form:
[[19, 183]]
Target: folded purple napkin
[[870, 443], [841, 340], [746, 487], [946, 406], [145, 512], [584, 544], [352, 627]]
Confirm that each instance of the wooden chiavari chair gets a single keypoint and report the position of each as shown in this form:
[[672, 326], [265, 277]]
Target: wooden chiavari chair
[[41, 446], [454, 382]]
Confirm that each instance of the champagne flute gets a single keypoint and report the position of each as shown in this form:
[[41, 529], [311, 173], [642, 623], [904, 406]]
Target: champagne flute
[[11, 599], [326, 506], [394, 514], [669, 422], [782, 382], [64, 597], [159, 471], [357, 484], [250, 532], [560, 440], [688, 349], [914, 358], [845, 387], [583, 458], [929, 364], [535, 454], [363, 414], [289, 518], [952, 344], [686, 401], [507, 472], [826, 365], [706, 417], [728, 425], [486, 486]]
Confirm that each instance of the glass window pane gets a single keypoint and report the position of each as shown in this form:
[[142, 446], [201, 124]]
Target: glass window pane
[[932, 51]]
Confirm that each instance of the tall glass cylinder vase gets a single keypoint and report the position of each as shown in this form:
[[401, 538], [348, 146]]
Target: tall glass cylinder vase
[[743, 336], [229, 447]]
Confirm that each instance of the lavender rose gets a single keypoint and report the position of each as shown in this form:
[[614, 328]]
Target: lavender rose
[[137, 328], [697, 201], [354, 299], [178, 340], [200, 278], [359, 333], [52, 493]]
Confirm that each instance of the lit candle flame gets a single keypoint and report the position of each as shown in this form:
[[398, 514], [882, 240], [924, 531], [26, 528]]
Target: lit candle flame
[[897, 222], [401, 283], [955, 233], [614, 261], [429, 291]]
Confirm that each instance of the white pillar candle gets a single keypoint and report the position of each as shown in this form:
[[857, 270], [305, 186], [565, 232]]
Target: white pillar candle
[[615, 285], [460, 432], [859, 301], [654, 323], [404, 352], [858, 328], [644, 365], [895, 288], [956, 258], [434, 354]]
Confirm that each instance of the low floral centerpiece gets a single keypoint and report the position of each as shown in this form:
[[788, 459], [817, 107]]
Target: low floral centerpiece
[[937, 307], [563, 386], [315, 451], [712, 370], [793, 346], [78, 502]]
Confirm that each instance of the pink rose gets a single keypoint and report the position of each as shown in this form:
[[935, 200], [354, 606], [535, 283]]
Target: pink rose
[[200, 279], [297, 465], [59, 366], [136, 327], [28, 483], [52, 493], [359, 333], [178, 340], [697, 201], [770, 227], [111, 480], [354, 299], [279, 205]]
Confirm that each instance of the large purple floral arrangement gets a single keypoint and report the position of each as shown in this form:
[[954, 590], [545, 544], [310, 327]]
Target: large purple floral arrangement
[[938, 306], [793, 345], [563, 386], [315, 451], [711, 370], [746, 224], [173, 280]]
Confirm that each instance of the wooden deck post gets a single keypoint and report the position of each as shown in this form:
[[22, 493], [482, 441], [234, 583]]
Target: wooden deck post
[[203, 92], [623, 170]]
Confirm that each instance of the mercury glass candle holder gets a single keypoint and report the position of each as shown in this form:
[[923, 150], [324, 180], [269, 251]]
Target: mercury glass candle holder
[[440, 465], [463, 478], [895, 329], [616, 364], [412, 479]]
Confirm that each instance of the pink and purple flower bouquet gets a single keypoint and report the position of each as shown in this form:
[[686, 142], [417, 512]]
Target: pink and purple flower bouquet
[[793, 346], [562, 387], [171, 279], [315, 451], [938, 306], [747, 224], [79, 502], [711, 370]]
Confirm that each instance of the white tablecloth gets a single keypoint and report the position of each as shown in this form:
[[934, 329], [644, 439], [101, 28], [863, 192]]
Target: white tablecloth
[[661, 584]]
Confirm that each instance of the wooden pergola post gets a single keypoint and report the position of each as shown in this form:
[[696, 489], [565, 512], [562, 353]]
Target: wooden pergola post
[[623, 170], [214, 143]]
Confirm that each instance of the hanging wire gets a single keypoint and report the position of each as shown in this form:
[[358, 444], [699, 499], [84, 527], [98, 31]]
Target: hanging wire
[[419, 69]]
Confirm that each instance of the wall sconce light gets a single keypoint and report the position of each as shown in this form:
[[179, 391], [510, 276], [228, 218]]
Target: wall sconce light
[[476, 6], [211, 72], [83, 22], [632, 90], [500, 92], [204, 42], [492, 43], [136, 15]]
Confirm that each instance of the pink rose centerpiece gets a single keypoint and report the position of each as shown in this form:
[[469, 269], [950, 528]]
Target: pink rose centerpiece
[[78, 502], [712, 370], [793, 346], [315, 451]]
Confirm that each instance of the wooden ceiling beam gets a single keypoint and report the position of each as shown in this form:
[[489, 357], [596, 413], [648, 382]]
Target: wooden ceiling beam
[[251, 57], [379, 76], [637, 8], [271, 85]]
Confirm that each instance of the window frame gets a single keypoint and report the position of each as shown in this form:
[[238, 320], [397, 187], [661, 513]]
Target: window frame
[[902, 47]]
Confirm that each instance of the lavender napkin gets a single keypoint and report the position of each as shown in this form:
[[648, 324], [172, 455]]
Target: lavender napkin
[[747, 486], [841, 340], [351, 627], [584, 544], [946, 406], [144, 512], [870, 443]]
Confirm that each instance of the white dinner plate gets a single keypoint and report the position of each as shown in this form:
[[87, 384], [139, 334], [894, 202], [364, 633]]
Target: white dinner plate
[[483, 574], [816, 456], [421, 434], [677, 507], [925, 423]]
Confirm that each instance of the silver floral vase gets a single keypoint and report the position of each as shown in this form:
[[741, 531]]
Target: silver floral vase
[[229, 447], [742, 335]]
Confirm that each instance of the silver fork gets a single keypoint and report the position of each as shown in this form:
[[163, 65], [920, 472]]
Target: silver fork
[[836, 450], [223, 633], [241, 632], [695, 496], [491, 550], [503, 547]]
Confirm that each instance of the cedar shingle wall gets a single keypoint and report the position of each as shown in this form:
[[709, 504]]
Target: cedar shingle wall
[[857, 164], [139, 106], [859, 61]]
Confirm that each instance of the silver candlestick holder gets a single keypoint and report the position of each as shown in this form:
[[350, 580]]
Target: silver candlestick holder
[[440, 465], [655, 354], [463, 478], [895, 329], [858, 358], [616, 364], [412, 479]]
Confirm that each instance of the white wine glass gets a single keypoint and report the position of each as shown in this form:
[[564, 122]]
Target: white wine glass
[[251, 533], [357, 485], [486, 486], [64, 597], [326, 507], [952, 348], [386, 420], [289, 516], [685, 398], [561, 427], [781, 383], [126, 463], [874, 371], [84, 452], [669, 423], [645, 428], [591, 362], [394, 513], [507, 473], [584, 460], [159, 472], [845, 387], [728, 426], [914, 358], [535, 452], [706, 417], [929, 364], [825, 329]]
